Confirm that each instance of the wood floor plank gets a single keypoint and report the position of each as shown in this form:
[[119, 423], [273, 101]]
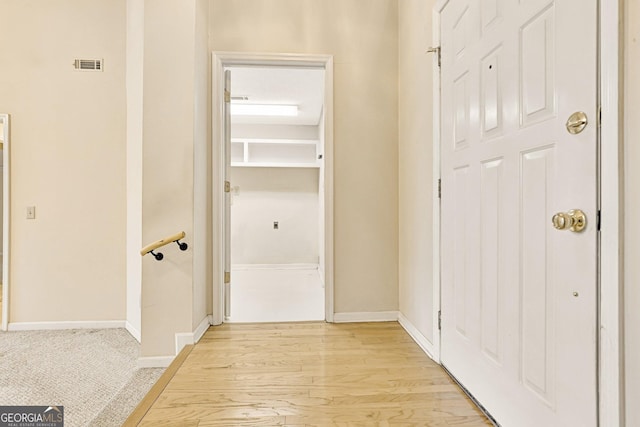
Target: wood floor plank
[[170, 423], [305, 374]]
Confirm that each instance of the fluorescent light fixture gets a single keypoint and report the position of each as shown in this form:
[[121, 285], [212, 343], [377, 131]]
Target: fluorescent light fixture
[[263, 110]]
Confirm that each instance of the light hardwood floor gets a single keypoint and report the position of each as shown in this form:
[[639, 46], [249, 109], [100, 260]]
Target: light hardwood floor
[[302, 374]]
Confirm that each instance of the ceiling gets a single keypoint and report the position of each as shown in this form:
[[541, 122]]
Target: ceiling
[[303, 87]]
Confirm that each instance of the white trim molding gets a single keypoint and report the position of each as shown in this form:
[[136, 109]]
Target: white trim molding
[[188, 338], [435, 351], [371, 316], [135, 333], [89, 324], [183, 339], [201, 329], [611, 355], [5, 119], [417, 336]]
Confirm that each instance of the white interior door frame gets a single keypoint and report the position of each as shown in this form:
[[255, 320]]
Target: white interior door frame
[[610, 358], [611, 384], [6, 188], [219, 61], [436, 183]]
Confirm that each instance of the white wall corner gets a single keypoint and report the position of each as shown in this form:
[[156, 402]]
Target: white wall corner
[[373, 316], [155, 361], [189, 338], [49, 326], [417, 336], [183, 339], [135, 333]]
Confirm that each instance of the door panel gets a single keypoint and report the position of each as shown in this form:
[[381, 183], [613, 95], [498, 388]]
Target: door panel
[[491, 279], [519, 298], [537, 67]]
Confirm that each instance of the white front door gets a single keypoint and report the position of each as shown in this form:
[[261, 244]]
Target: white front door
[[519, 297]]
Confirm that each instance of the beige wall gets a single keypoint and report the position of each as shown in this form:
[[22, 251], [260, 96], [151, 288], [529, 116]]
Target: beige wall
[[415, 164], [363, 40], [68, 158], [135, 60], [631, 93], [202, 221], [175, 137]]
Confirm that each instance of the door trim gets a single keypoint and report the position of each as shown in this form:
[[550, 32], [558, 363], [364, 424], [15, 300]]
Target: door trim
[[611, 360], [219, 60], [436, 180], [610, 357], [6, 212]]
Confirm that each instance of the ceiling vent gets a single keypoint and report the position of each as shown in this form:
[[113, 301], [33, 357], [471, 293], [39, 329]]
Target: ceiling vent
[[88, 64]]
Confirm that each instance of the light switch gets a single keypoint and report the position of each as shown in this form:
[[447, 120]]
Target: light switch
[[31, 212]]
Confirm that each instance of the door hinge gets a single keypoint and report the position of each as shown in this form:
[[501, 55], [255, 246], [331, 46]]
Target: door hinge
[[227, 277], [439, 320], [439, 188], [227, 186], [598, 220], [436, 50], [227, 96]]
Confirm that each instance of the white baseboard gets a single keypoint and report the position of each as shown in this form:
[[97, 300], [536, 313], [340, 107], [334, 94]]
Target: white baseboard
[[155, 362], [183, 339], [321, 275], [89, 324], [274, 267], [133, 331], [202, 328], [374, 316], [188, 338], [416, 335]]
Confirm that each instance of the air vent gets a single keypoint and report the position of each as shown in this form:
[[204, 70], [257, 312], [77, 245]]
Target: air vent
[[88, 64]]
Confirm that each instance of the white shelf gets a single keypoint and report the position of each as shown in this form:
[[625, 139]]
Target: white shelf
[[274, 153], [274, 141], [273, 165]]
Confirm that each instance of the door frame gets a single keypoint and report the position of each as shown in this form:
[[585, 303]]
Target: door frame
[[610, 354], [6, 211], [220, 60]]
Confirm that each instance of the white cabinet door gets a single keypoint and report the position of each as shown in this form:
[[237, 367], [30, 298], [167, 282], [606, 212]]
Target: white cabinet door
[[519, 297]]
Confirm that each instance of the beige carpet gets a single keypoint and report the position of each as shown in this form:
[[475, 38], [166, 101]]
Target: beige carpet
[[92, 373]]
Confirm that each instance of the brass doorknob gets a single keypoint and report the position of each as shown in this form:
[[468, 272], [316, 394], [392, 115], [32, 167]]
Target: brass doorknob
[[577, 122], [574, 220]]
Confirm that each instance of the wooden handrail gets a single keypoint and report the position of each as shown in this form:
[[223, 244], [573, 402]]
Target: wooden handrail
[[162, 242]]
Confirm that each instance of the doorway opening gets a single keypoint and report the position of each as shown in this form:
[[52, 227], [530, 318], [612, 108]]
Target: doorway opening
[[275, 194], [273, 143]]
